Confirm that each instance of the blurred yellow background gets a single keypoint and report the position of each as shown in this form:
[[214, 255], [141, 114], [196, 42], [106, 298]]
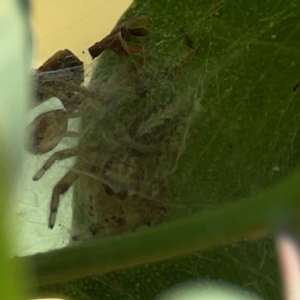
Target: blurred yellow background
[[72, 24]]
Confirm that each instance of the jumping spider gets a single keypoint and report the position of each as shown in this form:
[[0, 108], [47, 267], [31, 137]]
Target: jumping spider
[[139, 134]]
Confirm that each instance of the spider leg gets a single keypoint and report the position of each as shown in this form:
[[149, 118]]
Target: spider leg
[[71, 134], [60, 188], [60, 155]]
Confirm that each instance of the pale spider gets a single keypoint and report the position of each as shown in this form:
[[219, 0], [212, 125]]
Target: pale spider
[[123, 175]]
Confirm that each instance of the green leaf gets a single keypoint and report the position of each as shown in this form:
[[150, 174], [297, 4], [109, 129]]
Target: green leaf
[[242, 144], [15, 58]]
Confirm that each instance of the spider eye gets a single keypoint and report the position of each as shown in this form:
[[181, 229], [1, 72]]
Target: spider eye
[[108, 190], [39, 135], [122, 195]]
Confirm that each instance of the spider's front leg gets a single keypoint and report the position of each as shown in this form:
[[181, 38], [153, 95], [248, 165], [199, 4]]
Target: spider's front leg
[[67, 180], [63, 185], [60, 155], [45, 132]]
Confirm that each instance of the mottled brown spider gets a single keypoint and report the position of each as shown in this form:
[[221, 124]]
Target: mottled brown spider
[[130, 140]]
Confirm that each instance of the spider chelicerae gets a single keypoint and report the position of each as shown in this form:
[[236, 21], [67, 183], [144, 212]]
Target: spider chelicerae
[[132, 136]]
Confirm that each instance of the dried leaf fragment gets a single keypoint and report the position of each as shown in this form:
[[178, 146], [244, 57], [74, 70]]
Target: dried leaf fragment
[[62, 59], [118, 39], [61, 68]]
